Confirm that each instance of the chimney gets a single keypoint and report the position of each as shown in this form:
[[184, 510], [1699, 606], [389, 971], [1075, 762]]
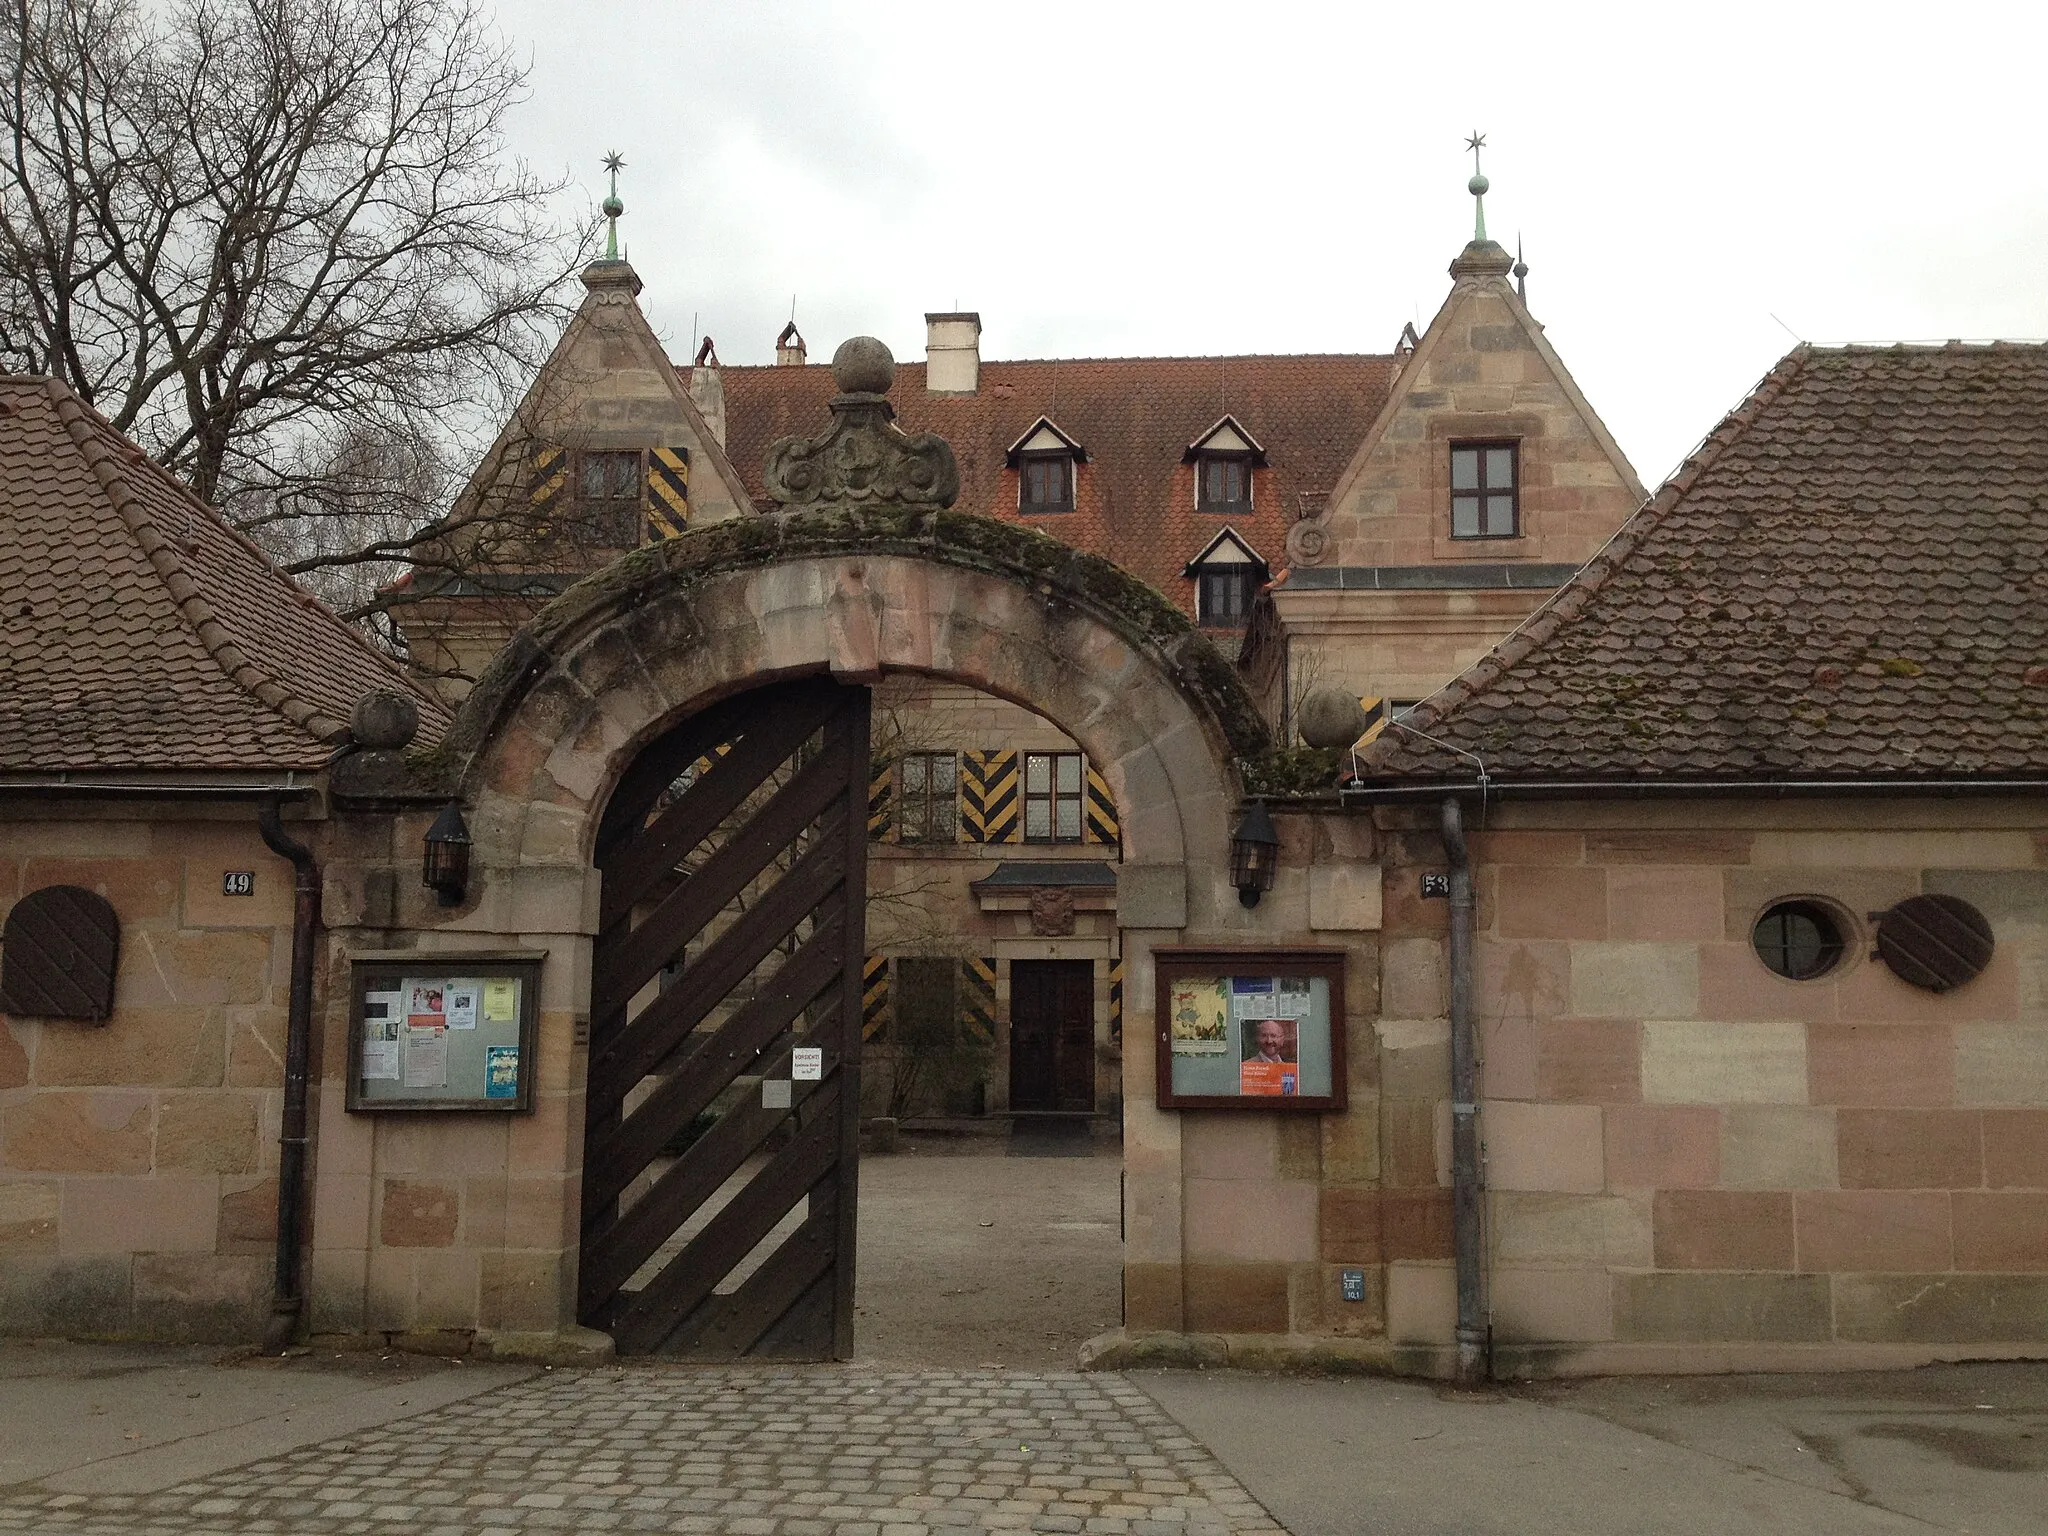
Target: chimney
[[789, 347], [707, 390], [952, 353]]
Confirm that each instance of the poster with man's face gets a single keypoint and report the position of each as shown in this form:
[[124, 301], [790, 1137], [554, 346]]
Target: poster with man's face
[[1271, 1057]]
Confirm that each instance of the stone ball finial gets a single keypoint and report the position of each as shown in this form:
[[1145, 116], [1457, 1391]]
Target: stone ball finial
[[863, 366], [1478, 186], [1330, 717], [384, 719]]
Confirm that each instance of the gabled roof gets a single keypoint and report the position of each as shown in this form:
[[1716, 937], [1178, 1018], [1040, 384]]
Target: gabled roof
[[141, 632], [1230, 538], [1225, 435], [1133, 504], [1847, 581], [1034, 438]]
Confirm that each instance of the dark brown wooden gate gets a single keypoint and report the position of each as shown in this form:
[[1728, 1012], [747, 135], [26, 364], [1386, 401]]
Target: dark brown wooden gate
[[718, 1189]]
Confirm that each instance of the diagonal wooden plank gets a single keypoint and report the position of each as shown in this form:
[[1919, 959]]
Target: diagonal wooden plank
[[658, 764], [805, 1330], [615, 1153], [855, 721], [632, 959], [657, 1029], [635, 868], [645, 1318], [726, 1327], [614, 1247]]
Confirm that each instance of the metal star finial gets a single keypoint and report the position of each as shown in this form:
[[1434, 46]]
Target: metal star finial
[[1477, 187], [614, 163]]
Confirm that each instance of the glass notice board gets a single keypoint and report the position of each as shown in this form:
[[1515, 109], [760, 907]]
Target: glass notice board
[[443, 1031], [1250, 1029]]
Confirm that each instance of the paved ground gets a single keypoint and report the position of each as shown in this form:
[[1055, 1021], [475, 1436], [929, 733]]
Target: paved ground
[[971, 1255]]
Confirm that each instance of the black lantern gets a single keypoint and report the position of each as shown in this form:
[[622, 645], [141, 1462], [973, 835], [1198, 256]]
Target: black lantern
[[447, 863], [1254, 854]]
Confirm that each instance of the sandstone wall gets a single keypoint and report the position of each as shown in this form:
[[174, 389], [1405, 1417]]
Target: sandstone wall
[[1692, 1162], [138, 1158]]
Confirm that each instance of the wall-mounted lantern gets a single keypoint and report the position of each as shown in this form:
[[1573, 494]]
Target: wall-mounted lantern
[[1254, 854], [446, 871]]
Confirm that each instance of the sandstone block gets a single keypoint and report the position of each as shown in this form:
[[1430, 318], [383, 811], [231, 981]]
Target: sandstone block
[[1533, 902], [142, 891], [1349, 1226], [1595, 1061], [1694, 1062], [193, 968], [1552, 1306], [448, 1282], [1416, 1224], [1555, 1147], [1723, 1229], [28, 1216], [1152, 1297], [207, 1133], [418, 1214], [1530, 979], [1662, 1146], [1344, 898], [165, 1214], [1635, 981], [1721, 1308], [1242, 1219], [66, 1298], [78, 1133], [2016, 1148], [170, 1047], [1408, 1157], [1909, 1148], [1734, 984], [1772, 1147], [2002, 1232], [1573, 1231], [1236, 1298], [1885, 1231], [1413, 980], [1422, 1303], [1881, 1064], [1229, 1146], [1942, 1309], [1656, 904], [2001, 1064], [523, 1291], [201, 1297], [248, 1218], [14, 1069], [1415, 1057]]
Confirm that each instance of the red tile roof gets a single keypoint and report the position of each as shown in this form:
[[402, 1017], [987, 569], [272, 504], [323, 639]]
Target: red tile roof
[[1849, 580], [141, 632], [1134, 498]]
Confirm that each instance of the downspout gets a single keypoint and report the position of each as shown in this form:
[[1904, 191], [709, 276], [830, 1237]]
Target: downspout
[[289, 1302], [1466, 1184]]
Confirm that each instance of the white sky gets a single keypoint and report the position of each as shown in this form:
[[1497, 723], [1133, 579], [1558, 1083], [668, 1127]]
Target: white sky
[[1114, 178]]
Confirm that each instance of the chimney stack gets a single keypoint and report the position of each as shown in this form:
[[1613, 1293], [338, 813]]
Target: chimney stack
[[952, 353], [789, 347], [707, 389]]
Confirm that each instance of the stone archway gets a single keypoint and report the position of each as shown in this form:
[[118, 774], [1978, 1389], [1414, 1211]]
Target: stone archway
[[865, 575]]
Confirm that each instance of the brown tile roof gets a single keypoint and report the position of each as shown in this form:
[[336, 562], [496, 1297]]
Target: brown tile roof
[[1134, 417], [1848, 580], [138, 631]]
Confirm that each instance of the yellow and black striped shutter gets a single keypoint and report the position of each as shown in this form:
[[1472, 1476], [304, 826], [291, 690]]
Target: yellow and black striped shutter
[[978, 997], [668, 492], [1116, 999], [1099, 821], [989, 808], [547, 480], [881, 799], [874, 998]]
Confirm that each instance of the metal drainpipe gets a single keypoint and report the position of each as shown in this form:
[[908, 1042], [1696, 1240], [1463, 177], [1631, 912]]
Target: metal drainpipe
[[290, 1301], [1466, 1183]]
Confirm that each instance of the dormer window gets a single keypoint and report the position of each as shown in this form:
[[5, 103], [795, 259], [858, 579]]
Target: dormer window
[[1224, 458], [1044, 459], [1485, 491], [1227, 576]]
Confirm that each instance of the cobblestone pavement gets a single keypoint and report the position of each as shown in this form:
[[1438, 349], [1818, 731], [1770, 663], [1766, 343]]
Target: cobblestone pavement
[[763, 1451]]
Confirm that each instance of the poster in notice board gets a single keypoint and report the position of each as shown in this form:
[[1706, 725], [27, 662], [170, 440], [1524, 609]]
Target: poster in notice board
[[439, 1031], [1250, 1029]]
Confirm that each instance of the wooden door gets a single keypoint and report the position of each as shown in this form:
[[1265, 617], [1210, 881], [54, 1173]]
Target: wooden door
[[1052, 1035], [731, 928]]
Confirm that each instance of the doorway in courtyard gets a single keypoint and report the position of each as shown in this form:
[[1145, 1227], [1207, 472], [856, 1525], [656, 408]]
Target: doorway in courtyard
[[1052, 1036]]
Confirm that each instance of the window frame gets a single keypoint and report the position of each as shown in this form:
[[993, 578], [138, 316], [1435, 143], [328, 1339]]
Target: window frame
[[926, 798], [1246, 467], [1026, 462], [601, 513], [1243, 575], [1052, 796], [1483, 491]]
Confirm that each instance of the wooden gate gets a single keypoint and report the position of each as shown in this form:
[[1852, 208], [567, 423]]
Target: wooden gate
[[718, 1174]]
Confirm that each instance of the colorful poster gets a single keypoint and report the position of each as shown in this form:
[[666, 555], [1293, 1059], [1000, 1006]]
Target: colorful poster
[[426, 1058], [1198, 1009], [1271, 1063], [383, 1014], [380, 1061], [501, 1000], [462, 999], [425, 1003], [501, 1072]]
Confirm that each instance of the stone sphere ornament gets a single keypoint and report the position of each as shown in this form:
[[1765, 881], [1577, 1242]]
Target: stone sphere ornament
[[863, 366], [384, 719], [1331, 717]]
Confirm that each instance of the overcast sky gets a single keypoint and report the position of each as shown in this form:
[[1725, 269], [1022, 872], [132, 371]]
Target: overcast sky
[[1110, 178]]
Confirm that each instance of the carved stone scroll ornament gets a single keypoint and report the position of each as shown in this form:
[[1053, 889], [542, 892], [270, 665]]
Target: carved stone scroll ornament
[[866, 457], [1308, 537]]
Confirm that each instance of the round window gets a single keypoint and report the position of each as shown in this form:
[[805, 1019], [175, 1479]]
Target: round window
[[1798, 939]]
